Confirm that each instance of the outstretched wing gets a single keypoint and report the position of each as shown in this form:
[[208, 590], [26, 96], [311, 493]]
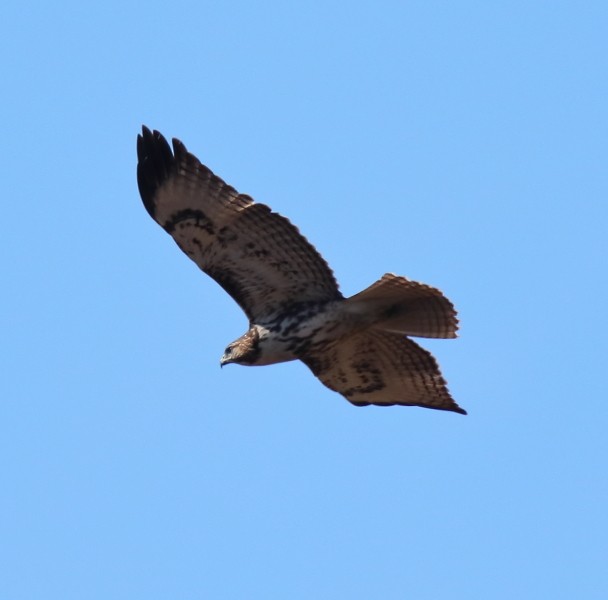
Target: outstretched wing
[[256, 255], [382, 368]]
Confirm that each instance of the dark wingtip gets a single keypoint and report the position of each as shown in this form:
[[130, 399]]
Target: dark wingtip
[[179, 149], [155, 165], [452, 407]]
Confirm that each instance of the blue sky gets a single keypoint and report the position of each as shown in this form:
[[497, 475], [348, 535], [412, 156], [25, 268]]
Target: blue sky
[[462, 144]]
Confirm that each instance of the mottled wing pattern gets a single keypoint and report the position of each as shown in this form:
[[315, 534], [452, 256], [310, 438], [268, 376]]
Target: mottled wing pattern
[[256, 255], [382, 368]]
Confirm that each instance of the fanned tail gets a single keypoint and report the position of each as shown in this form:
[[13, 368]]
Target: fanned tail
[[408, 307]]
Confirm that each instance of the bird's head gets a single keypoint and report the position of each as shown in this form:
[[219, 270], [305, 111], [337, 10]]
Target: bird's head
[[244, 351]]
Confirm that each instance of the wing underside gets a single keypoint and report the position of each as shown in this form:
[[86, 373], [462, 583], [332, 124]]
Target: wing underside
[[256, 255], [382, 368]]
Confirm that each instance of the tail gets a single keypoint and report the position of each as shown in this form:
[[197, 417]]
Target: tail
[[403, 306]]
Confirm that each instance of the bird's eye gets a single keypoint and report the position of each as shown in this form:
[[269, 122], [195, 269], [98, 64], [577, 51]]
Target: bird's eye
[[228, 350]]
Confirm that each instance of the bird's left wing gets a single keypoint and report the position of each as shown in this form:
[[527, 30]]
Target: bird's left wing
[[256, 255], [382, 368]]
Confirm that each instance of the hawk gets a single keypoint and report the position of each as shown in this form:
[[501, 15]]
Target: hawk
[[356, 346]]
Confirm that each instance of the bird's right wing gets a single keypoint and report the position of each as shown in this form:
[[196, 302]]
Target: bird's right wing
[[256, 255], [382, 368]]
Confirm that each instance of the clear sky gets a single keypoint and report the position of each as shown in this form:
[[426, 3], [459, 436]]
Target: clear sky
[[462, 144]]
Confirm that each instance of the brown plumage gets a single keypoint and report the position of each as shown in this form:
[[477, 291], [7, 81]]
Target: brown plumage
[[356, 346]]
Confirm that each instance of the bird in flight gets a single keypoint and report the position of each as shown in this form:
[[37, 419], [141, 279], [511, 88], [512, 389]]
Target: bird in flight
[[357, 346]]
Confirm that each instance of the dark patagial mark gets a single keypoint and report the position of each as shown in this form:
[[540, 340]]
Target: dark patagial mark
[[318, 364], [198, 216]]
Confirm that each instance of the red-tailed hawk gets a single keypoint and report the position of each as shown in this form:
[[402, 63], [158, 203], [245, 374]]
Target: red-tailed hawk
[[356, 346]]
